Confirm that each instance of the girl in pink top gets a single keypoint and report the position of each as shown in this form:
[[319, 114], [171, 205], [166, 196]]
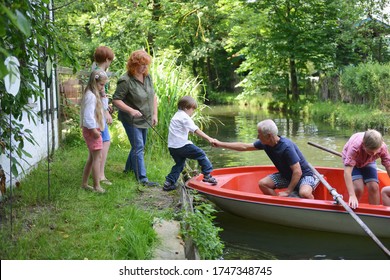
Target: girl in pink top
[[359, 156]]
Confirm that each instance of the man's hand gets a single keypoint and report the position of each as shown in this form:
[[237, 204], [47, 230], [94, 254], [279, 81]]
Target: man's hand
[[284, 193], [215, 143]]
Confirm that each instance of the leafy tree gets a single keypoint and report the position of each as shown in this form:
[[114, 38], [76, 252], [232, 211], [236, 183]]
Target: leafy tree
[[28, 34], [361, 30], [119, 24], [200, 38], [282, 41], [284, 36], [191, 28]]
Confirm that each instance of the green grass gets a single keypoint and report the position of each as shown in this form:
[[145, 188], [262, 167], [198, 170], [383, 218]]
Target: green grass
[[67, 222]]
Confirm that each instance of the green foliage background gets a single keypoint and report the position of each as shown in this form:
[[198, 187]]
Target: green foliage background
[[255, 49]]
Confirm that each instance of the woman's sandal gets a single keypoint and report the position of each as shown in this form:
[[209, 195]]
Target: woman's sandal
[[87, 188], [106, 182], [99, 190]]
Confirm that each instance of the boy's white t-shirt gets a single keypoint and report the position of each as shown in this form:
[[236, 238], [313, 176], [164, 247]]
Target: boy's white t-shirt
[[181, 124]]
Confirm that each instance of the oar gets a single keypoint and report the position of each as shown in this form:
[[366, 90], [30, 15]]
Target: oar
[[325, 149], [331, 151], [340, 200]]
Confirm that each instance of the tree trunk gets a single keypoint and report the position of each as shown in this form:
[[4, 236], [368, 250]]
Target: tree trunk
[[294, 80], [156, 13]]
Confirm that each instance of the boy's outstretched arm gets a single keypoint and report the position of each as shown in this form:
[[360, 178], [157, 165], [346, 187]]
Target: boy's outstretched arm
[[204, 136]]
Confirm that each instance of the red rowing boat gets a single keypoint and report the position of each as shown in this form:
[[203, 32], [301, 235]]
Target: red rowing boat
[[237, 192]]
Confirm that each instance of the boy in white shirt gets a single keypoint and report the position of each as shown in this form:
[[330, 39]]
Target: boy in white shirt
[[181, 148]]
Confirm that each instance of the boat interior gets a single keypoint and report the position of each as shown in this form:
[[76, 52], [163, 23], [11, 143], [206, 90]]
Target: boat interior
[[244, 179]]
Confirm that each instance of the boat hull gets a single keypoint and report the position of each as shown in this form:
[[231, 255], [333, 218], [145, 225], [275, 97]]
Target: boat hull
[[237, 192]]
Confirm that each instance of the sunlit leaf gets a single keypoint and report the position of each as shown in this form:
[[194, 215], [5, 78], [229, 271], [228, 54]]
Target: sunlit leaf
[[23, 24], [48, 67]]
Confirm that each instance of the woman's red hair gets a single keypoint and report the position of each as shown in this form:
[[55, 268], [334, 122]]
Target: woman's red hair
[[137, 58]]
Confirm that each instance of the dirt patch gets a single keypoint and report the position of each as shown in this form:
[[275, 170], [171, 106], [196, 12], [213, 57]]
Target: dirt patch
[[157, 199]]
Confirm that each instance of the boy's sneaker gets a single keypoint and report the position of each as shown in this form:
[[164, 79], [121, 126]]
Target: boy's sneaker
[[210, 179], [168, 186], [150, 184]]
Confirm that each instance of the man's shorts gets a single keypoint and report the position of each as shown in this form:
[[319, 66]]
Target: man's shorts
[[368, 173], [281, 183]]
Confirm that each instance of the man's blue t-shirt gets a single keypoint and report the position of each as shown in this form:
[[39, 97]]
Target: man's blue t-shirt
[[284, 154]]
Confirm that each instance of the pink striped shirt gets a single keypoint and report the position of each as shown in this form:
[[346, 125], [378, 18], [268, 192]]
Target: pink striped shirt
[[354, 153]]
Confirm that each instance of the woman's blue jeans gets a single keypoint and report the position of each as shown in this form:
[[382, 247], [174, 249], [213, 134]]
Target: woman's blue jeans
[[180, 155], [135, 161]]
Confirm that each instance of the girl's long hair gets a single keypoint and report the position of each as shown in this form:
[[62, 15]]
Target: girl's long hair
[[95, 77]]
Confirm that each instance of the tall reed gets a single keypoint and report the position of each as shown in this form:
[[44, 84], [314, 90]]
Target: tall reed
[[171, 82]]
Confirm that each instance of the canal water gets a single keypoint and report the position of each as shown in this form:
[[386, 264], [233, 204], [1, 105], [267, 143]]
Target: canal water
[[250, 239]]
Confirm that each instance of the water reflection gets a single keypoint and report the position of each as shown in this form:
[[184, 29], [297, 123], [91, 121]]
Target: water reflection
[[247, 239]]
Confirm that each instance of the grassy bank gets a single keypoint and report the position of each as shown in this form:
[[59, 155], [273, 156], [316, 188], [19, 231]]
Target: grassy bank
[[67, 222], [358, 117]]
